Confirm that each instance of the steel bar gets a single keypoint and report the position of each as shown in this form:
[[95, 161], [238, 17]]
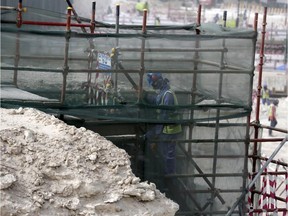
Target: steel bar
[[116, 52], [80, 22], [228, 140], [273, 161], [92, 27], [256, 134], [205, 175], [267, 140], [142, 57], [66, 51], [209, 191], [193, 96], [261, 65], [19, 14], [175, 50], [270, 210], [16, 60], [251, 184], [273, 173], [84, 70], [224, 18], [42, 23], [247, 142], [268, 127], [77, 17], [211, 156], [9, 8], [59, 58]]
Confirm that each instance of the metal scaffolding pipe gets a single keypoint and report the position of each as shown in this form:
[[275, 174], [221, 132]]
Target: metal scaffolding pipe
[[77, 17], [269, 127], [66, 50], [19, 14], [268, 195], [232, 175], [136, 60], [270, 210], [142, 57], [43, 23], [251, 184], [273, 161], [175, 50], [84, 70], [116, 53], [92, 23], [256, 134], [16, 60]]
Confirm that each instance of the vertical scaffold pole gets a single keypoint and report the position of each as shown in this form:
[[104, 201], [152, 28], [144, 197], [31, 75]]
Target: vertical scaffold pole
[[250, 205], [194, 89], [116, 48], [17, 51], [76, 15], [92, 28], [66, 67], [248, 122], [256, 134], [224, 18], [259, 173], [217, 123], [193, 92], [142, 68], [19, 14], [16, 60]]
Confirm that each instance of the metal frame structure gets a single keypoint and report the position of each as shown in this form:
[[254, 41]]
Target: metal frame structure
[[181, 179], [256, 141]]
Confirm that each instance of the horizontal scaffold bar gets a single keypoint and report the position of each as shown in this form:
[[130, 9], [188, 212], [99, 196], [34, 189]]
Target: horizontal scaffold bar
[[84, 70], [224, 49], [132, 60], [188, 36], [28, 22], [205, 175]]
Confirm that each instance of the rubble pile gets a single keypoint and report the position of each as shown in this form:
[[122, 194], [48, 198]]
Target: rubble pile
[[51, 168]]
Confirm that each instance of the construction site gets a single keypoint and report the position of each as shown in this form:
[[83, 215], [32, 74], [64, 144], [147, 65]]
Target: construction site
[[93, 75]]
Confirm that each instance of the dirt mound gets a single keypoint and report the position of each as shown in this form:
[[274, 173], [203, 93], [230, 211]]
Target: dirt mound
[[51, 168]]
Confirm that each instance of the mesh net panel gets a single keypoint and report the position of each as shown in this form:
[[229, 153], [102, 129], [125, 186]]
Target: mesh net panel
[[95, 77]]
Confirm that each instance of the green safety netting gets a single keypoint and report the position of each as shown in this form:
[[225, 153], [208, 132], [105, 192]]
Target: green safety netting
[[102, 76], [213, 71]]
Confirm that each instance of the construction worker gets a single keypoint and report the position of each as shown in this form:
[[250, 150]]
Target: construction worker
[[265, 95], [165, 134], [272, 115], [157, 21], [141, 6]]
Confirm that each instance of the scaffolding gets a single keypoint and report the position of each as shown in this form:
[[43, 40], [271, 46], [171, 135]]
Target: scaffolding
[[96, 79]]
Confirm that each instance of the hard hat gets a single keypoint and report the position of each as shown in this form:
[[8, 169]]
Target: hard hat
[[153, 77]]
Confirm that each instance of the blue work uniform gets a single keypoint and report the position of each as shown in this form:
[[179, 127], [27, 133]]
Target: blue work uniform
[[165, 134]]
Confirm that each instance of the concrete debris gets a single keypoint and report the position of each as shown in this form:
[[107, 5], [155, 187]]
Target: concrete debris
[[50, 168]]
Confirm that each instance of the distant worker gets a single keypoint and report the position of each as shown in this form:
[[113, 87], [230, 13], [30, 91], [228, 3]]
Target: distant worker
[[216, 18], [157, 21], [141, 6], [265, 95], [272, 115], [165, 134]]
